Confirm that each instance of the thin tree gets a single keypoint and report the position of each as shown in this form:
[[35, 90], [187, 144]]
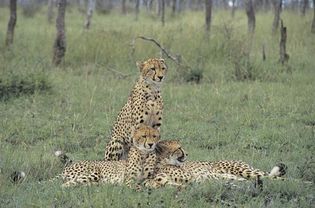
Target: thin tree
[[173, 7], [81, 6], [304, 7], [266, 5], [277, 4], [163, 12], [60, 42], [50, 11], [123, 6], [179, 5], [137, 8], [284, 57], [208, 14], [89, 14], [225, 4], [159, 7], [150, 5], [313, 23], [250, 12], [233, 8], [11, 24]]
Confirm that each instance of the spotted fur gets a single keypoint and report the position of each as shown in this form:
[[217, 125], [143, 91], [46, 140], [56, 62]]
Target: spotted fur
[[177, 172], [144, 105], [124, 171]]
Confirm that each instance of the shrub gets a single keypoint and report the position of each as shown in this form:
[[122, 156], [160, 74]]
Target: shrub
[[194, 75], [15, 85]]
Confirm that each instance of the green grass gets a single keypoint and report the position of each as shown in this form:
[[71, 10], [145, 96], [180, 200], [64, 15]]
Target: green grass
[[267, 119]]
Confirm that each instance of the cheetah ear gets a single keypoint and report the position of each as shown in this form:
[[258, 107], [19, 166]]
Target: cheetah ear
[[162, 60], [140, 65], [160, 147], [139, 126]]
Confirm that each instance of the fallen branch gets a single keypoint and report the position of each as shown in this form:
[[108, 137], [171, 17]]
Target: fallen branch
[[177, 59]]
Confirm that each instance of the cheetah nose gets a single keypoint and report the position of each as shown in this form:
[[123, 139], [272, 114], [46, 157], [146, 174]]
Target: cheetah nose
[[160, 77], [150, 145]]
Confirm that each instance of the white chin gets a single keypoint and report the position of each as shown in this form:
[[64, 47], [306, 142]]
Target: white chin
[[152, 82], [145, 149], [178, 163]]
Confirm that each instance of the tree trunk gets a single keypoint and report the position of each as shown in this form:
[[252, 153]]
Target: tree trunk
[[50, 11], [313, 23], [250, 15], [150, 5], [263, 52], [123, 7], [163, 12], [284, 57], [137, 8], [233, 8], [11, 24], [81, 6], [225, 4], [173, 7], [277, 4], [266, 5], [294, 5], [159, 7], [89, 14], [208, 14], [304, 7], [60, 42]]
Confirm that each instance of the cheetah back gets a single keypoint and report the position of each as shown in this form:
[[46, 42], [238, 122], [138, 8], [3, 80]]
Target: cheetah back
[[144, 105]]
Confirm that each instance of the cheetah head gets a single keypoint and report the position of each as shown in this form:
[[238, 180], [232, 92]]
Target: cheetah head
[[145, 138], [153, 70], [172, 152]]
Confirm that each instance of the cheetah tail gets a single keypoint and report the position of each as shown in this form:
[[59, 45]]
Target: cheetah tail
[[279, 170]]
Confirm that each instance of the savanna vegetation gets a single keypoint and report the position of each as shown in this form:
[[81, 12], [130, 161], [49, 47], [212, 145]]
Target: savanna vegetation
[[223, 102]]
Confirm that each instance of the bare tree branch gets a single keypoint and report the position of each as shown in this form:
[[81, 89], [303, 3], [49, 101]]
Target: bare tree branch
[[170, 56]]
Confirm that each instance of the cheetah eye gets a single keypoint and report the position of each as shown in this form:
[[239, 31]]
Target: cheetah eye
[[163, 68]]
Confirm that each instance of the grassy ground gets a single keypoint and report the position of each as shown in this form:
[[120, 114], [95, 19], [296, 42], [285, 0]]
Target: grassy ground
[[267, 118]]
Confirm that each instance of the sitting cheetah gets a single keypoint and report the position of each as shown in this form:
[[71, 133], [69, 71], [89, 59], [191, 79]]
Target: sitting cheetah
[[144, 105], [177, 172], [142, 160]]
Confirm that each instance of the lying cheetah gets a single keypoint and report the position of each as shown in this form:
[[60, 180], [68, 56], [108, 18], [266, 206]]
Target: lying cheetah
[[168, 152], [231, 170], [177, 172], [139, 165], [144, 105]]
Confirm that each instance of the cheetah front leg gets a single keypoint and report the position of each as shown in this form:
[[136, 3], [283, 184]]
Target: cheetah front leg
[[114, 151], [149, 166], [160, 180], [134, 170]]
